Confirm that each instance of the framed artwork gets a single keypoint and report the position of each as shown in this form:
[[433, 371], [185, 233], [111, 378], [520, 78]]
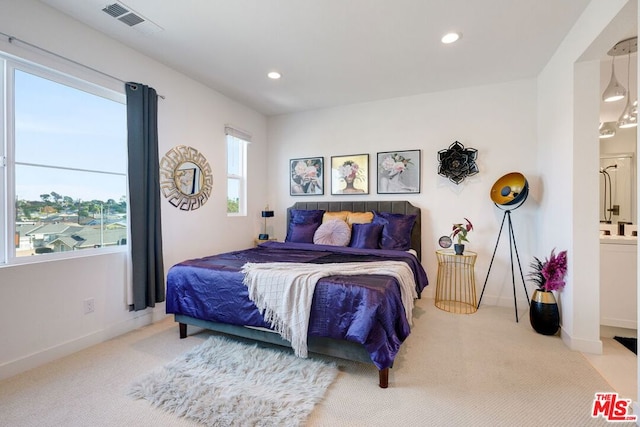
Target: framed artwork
[[350, 174], [399, 172], [306, 176]]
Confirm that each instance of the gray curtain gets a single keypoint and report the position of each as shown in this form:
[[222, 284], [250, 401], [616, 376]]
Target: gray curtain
[[144, 197]]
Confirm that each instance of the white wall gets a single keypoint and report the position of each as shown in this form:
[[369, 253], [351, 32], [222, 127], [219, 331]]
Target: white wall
[[42, 317], [498, 120], [624, 141], [568, 110]]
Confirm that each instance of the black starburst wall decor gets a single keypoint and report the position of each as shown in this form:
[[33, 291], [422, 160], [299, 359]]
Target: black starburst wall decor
[[457, 162]]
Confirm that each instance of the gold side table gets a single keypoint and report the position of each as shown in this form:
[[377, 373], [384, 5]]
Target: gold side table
[[456, 286]]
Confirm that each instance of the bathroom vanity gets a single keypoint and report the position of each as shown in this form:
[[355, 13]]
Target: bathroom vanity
[[618, 281]]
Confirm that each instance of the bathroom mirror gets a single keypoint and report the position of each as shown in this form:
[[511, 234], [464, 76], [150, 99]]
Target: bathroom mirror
[[617, 188], [185, 178]]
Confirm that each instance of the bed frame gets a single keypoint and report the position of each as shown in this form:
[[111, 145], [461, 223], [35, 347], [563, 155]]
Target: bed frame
[[327, 346]]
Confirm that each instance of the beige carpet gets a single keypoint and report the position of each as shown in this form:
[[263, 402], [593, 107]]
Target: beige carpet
[[482, 369]]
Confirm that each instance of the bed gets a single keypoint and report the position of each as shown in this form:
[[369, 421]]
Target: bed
[[354, 315]]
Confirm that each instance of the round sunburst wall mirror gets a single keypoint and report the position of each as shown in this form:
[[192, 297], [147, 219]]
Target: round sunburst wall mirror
[[185, 178]]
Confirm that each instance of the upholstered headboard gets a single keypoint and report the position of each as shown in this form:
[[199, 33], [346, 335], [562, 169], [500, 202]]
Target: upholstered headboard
[[399, 206]]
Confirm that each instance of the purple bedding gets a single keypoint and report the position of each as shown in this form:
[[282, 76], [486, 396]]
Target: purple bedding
[[365, 309]]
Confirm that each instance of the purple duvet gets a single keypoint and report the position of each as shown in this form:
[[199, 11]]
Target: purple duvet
[[365, 309]]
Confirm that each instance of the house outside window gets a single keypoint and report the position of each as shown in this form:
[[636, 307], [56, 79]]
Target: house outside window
[[64, 163]]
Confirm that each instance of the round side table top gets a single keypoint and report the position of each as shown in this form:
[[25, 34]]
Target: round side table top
[[450, 252]]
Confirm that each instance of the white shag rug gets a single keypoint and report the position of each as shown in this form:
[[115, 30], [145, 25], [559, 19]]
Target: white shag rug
[[226, 383]]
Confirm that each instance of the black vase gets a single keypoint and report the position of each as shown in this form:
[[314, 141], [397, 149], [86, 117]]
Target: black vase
[[543, 313], [458, 248]]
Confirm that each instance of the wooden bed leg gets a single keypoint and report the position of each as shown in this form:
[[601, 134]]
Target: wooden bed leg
[[183, 330], [384, 377]]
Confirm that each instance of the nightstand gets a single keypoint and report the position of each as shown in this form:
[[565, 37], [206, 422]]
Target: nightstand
[[456, 286], [270, 239]]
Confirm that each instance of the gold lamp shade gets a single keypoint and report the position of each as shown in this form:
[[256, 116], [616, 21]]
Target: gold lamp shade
[[511, 189]]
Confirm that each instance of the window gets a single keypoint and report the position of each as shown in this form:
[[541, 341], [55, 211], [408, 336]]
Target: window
[[237, 142], [65, 163]]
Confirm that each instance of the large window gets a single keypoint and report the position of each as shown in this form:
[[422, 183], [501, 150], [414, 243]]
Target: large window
[[66, 164], [236, 171]]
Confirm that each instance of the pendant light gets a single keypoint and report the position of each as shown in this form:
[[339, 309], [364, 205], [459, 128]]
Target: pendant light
[[627, 118], [607, 130], [614, 91]]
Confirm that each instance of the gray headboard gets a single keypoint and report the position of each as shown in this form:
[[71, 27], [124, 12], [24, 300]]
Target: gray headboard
[[399, 206]]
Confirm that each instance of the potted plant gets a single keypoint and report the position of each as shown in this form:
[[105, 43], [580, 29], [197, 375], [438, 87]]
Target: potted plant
[[548, 275], [460, 232]]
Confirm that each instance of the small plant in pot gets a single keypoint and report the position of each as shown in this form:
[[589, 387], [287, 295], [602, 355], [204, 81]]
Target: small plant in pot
[[460, 232]]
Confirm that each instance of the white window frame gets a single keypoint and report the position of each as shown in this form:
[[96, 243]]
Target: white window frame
[[79, 80], [242, 139]]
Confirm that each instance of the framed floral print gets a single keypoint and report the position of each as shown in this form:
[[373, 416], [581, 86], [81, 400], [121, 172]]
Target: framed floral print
[[306, 176], [350, 174], [399, 172]]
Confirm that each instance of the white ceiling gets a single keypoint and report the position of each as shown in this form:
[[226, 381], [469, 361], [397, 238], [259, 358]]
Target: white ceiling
[[336, 52]]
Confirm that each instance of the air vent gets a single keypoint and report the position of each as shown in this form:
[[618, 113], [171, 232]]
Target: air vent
[[115, 10], [124, 14], [131, 19]]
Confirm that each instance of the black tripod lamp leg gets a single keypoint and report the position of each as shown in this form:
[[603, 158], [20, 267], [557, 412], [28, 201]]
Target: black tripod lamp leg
[[492, 258], [513, 275], [515, 247]]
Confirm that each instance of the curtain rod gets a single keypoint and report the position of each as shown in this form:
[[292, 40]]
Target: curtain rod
[[11, 39]]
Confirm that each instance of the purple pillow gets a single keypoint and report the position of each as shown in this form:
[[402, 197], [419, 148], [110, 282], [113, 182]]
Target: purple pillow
[[365, 236], [303, 225], [396, 231], [301, 233]]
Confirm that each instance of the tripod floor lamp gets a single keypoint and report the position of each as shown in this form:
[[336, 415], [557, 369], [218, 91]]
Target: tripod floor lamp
[[509, 193]]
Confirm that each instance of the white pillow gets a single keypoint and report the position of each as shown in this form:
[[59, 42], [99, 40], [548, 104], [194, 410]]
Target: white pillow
[[333, 232]]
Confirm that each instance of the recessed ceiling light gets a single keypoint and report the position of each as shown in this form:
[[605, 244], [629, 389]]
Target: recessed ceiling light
[[450, 38], [274, 75]]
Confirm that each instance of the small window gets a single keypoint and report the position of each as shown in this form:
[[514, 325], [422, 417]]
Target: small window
[[237, 142]]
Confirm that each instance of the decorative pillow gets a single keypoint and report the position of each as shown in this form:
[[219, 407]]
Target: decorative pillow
[[341, 215], [303, 225], [359, 217], [366, 236], [333, 232], [301, 233], [396, 231]]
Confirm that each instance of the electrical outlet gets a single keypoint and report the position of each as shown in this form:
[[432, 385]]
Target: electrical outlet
[[89, 305]]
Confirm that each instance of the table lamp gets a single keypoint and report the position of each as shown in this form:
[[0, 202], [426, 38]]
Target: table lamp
[[266, 213]]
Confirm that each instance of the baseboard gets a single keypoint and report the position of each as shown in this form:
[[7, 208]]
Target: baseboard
[[50, 354], [581, 345], [619, 323], [487, 299]]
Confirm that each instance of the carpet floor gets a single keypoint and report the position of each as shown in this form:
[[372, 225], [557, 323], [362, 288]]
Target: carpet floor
[[482, 369]]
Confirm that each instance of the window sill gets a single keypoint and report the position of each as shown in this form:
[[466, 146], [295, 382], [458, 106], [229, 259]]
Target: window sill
[[63, 256]]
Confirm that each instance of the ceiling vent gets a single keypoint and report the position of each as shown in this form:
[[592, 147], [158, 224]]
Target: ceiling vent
[[115, 10], [133, 19]]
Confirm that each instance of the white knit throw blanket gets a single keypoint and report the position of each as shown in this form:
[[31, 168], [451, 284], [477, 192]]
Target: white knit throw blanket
[[283, 291]]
